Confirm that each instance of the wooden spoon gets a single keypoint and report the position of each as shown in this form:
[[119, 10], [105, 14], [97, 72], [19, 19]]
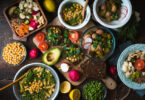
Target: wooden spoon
[[84, 9], [6, 86]]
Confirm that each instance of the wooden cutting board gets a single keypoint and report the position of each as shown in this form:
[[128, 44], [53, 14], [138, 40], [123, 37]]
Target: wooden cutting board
[[56, 22]]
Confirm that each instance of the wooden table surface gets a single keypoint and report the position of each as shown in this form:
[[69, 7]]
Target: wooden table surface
[[7, 72]]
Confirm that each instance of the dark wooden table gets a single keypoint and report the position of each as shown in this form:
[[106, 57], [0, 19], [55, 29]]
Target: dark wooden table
[[7, 72]]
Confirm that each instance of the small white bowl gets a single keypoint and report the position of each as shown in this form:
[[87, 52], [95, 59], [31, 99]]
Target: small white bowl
[[126, 12], [87, 16]]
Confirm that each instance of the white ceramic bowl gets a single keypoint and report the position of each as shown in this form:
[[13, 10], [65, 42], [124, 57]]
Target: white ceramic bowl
[[126, 12], [87, 16]]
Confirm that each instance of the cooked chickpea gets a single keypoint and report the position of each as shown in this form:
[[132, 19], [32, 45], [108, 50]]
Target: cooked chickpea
[[99, 31], [13, 53]]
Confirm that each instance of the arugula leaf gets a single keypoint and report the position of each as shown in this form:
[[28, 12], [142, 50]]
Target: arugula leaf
[[70, 54], [95, 45], [66, 48], [78, 51], [47, 38], [49, 31], [61, 44], [55, 35]]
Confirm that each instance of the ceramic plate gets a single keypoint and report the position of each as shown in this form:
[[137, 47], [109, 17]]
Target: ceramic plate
[[121, 59]]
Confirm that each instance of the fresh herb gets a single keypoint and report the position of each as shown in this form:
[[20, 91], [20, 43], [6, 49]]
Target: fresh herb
[[54, 36], [65, 37], [94, 90], [128, 32], [72, 53]]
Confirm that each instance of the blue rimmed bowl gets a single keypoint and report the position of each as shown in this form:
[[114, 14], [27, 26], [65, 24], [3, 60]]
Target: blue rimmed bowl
[[24, 69], [128, 82], [105, 56]]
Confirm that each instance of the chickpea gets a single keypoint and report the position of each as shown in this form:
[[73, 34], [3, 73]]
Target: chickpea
[[99, 31], [114, 8], [103, 7], [93, 36], [108, 14], [86, 36], [92, 48], [13, 53]]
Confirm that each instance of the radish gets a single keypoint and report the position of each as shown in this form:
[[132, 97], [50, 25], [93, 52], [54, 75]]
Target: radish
[[113, 70], [33, 53], [33, 23], [37, 13], [64, 67], [74, 75], [87, 45], [88, 40]]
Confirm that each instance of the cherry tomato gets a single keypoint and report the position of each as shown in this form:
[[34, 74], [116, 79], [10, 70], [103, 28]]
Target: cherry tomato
[[74, 36], [139, 64], [43, 46], [40, 37]]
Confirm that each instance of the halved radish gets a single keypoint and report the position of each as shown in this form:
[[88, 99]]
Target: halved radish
[[64, 67], [88, 50], [88, 40], [87, 45]]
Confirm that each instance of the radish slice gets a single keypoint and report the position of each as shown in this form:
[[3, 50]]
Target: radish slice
[[88, 50], [88, 40], [64, 67], [87, 45]]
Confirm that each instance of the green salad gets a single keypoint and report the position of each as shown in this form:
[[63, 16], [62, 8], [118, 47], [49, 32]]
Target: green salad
[[71, 14], [73, 53], [54, 35], [94, 90], [98, 43], [38, 84]]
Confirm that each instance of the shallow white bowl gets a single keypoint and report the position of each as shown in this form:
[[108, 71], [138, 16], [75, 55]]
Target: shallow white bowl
[[87, 16], [126, 12], [128, 82]]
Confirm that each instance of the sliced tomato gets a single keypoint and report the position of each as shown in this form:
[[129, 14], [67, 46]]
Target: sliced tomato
[[40, 37], [139, 64], [43, 46], [74, 36]]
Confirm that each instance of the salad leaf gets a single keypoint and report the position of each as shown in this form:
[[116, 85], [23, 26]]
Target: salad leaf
[[49, 31]]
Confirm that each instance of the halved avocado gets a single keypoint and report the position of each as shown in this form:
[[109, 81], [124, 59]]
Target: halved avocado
[[51, 56]]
